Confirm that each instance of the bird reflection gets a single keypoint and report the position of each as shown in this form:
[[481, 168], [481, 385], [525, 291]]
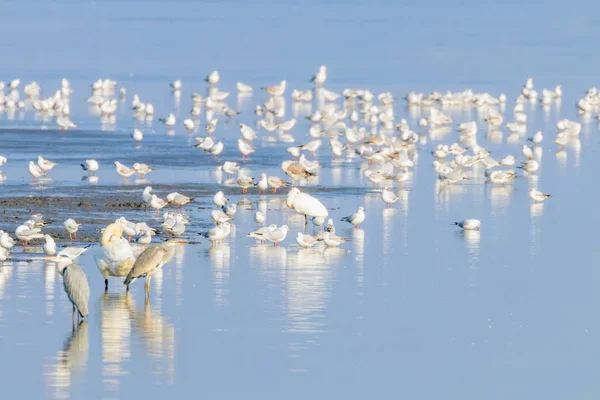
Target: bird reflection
[[220, 261], [158, 338], [500, 197], [115, 325], [49, 278], [536, 209], [72, 359], [472, 239]]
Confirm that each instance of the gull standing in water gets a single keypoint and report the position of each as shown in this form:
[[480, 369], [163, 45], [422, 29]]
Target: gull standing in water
[[357, 218], [388, 197], [179, 199], [469, 224], [219, 199], [123, 170], [45, 165], [538, 196], [27, 232], [72, 227], [305, 241], [333, 241], [35, 170], [90, 166]]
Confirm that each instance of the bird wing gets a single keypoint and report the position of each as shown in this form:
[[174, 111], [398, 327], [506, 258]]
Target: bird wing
[[147, 261]]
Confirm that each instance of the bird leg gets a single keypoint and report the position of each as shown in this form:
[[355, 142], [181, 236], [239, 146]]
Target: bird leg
[[75, 235], [274, 190], [73, 315], [106, 285]]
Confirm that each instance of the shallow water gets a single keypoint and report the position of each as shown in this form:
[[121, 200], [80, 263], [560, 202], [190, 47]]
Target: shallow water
[[411, 307]]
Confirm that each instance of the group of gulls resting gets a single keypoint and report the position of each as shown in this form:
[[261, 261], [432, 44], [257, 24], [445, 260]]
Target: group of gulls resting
[[364, 128]]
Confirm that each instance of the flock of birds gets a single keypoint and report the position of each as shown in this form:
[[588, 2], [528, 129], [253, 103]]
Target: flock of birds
[[363, 128]]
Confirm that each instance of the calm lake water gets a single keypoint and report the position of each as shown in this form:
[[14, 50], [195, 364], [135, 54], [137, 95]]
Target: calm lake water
[[410, 308]]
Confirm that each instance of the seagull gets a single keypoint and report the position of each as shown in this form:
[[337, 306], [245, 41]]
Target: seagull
[[388, 197], [26, 232], [275, 90], [219, 216], [147, 194], [530, 166], [45, 165], [169, 121], [35, 170], [278, 235], [142, 169], [260, 234], [90, 166], [469, 224], [230, 167], [137, 135], [123, 170], [243, 88], [176, 85], [357, 218], [220, 200], [247, 133], [72, 227], [216, 234], [213, 78], [259, 218], [333, 241], [50, 246], [157, 203], [320, 77], [245, 182], [276, 183], [189, 124], [245, 148], [71, 253], [296, 171], [305, 241], [178, 199], [537, 196]]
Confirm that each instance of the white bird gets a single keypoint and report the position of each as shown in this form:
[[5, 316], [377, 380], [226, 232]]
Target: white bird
[[50, 246], [530, 166], [217, 148], [65, 123], [142, 169], [123, 170], [357, 218], [219, 199], [147, 194], [527, 152], [213, 78], [243, 88], [115, 255], [26, 232], [245, 182], [388, 197], [276, 90], [230, 167], [278, 235], [305, 204], [137, 135], [537, 138], [157, 203], [45, 165], [245, 148], [219, 216], [263, 183], [178, 199], [6, 241], [508, 161], [469, 224], [260, 234], [259, 218], [176, 85], [3, 160], [71, 253], [189, 124], [537, 196], [90, 165], [247, 132], [333, 241], [320, 77], [72, 227], [216, 234], [305, 241], [170, 120], [35, 170]]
